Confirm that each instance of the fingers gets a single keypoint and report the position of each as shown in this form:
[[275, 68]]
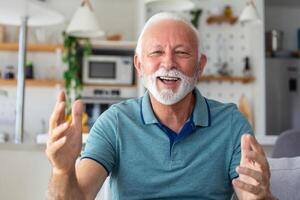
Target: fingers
[[61, 98], [255, 145], [58, 132], [77, 111], [256, 175], [54, 119], [245, 142], [56, 116], [249, 143], [55, 146], [254, 168], [258, 160], [247, 187], [245, 147], [252, 152]]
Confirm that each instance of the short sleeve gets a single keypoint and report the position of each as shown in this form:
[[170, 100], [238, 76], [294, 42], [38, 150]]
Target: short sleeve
[[101, 142], [239, 126]]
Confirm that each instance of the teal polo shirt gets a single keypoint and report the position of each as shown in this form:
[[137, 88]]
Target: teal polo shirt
[[144, 162]]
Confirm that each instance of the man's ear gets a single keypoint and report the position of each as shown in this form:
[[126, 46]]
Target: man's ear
[[202, 63], [137, 64]]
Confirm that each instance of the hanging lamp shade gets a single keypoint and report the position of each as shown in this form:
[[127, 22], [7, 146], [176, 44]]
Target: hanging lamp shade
[[84, 23], [249, 13], [170, 5]]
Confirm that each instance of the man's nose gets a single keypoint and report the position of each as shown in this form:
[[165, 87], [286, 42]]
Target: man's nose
[[169, 60]]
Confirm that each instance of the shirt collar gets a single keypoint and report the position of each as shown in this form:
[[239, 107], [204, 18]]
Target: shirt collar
[[201, 113], [147, 113]]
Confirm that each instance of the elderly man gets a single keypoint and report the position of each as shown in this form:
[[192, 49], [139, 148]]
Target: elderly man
[[172, 143]]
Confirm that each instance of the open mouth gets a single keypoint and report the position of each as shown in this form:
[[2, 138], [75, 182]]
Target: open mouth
[[168, 79]]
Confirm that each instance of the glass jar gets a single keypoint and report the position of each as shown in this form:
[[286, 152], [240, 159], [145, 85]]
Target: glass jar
[[9, 72]]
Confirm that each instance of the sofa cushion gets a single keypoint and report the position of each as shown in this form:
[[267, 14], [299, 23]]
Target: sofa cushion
[[285, 177]]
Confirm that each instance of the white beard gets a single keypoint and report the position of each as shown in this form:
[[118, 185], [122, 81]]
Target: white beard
[[168, 96]]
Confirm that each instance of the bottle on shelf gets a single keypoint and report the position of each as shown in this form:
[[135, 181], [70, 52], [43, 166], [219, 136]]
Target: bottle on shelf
[[9, 72], [247, 71], [29, 70]]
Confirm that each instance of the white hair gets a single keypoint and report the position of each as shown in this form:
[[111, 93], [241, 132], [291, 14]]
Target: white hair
[[166, 16]]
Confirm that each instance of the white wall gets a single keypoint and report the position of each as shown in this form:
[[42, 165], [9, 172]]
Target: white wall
[[240, 41]]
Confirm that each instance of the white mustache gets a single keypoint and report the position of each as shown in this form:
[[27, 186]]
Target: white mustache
[[167, 96], [168, 73]]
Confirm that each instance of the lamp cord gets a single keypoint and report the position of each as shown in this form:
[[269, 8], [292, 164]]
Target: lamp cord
[[88, 4]]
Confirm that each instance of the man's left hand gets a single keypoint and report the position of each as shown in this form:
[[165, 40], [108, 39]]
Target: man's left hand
[[253, 182]]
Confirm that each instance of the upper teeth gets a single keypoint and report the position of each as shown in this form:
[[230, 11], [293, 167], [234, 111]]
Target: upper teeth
[[169, 78]]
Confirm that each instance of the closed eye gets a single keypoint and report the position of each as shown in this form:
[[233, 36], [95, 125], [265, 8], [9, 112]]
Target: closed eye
[[154, 53], [182, 53]]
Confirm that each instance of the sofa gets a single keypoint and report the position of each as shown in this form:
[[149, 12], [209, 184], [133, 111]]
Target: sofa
[[285, 178], [287, 144]]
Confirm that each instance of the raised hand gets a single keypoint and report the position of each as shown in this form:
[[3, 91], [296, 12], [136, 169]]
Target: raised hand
[[254, 173], [65, 139]]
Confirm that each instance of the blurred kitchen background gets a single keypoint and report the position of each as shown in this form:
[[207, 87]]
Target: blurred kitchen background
[[254, 64]]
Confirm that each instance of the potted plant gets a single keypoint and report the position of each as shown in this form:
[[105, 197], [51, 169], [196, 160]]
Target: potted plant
[[74, 49]]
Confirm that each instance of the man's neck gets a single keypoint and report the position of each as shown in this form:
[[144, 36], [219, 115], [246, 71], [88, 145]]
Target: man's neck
[[174, 116]]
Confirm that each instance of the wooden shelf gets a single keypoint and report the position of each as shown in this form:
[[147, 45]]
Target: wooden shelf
[[30, 47], [35, 83], [227, 78], [113, 44], [219, 19], [51, 83]]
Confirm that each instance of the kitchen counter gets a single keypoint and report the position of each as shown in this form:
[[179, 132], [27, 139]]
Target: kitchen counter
[[22, 147], [25, 171]]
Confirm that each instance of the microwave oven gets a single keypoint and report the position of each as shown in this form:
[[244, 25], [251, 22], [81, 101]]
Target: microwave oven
[[108, 69]]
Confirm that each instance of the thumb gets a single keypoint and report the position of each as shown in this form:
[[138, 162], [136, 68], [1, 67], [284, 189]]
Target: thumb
[[77, 111], [245, 147]]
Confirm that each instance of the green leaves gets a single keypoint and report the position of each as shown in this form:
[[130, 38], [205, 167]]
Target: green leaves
[[73, 51]]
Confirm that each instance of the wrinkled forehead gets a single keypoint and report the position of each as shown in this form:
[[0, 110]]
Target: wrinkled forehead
[[169, 29]]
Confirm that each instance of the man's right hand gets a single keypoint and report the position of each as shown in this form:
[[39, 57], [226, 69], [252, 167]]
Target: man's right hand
[[65, 138]]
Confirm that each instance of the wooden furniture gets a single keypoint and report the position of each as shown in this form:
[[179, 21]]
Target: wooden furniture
[[227, 78], [31, 47]]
